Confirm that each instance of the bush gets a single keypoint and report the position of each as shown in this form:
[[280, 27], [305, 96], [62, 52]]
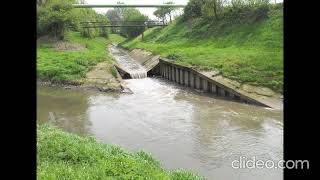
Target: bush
[[237, 11], [133, 15], [53, 18], [246, 14], [193, 9]]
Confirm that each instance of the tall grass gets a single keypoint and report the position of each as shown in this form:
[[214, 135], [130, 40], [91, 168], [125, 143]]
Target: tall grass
[[247, 52], [64, 66], [62, 155]]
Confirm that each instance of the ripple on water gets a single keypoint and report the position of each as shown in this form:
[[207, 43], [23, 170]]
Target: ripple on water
[[180, 128]]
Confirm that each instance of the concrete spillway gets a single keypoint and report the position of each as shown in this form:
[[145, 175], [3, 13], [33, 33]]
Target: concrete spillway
[[127, 65], [139, 64]]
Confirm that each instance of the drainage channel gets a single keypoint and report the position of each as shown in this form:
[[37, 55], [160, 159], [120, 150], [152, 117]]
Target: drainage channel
[[138, 64], [127, 67]]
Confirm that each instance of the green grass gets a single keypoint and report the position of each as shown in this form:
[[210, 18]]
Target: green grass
[[62, 155], [68, 66], [249, 53]]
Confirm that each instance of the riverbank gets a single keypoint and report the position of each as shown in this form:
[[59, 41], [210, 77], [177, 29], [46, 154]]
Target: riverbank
[[154, 64], [250, 53], [62, 155], [78, 62]]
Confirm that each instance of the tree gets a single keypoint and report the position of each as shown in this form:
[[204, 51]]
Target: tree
[[114, 18], [162, 12], [53, 17], [133, 17], [168, 10], [215, 5], [193, 9]]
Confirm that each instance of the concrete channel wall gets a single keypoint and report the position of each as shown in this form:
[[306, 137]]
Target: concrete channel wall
[[159, 66], [193, 79]]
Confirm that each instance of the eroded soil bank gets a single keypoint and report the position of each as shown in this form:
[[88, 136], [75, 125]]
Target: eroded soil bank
[[77, 63], [98, 79]]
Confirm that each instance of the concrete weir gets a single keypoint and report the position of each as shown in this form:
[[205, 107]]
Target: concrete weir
[[201, 82], [194, 79]]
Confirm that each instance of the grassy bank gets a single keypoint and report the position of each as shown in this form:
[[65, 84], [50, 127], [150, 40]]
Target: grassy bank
[[62, 155], [247, 52], [71, 65]]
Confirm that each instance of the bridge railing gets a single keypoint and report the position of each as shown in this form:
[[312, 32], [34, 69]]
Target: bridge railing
[[97, 24], [126, 5]]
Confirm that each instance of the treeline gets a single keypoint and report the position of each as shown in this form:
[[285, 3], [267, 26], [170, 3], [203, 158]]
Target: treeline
[[163, 12], [235, 11], [54, 17], [127, 16]]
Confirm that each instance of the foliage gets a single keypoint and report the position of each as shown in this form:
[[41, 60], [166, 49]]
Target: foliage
[[114, 72], [132, 17], [193, 9], [62, 155], [247, 52], [226, 9], [162, 12], [114, 17], [53, 16], [212, 8]]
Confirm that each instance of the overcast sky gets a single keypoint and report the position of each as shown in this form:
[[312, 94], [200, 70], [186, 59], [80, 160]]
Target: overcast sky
[[146, 11]]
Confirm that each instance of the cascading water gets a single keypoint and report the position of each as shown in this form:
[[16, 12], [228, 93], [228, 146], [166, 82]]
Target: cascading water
[[135, 70]]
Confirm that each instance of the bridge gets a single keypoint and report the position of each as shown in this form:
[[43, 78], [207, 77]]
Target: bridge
[[129, 25], [96, 24], [126, 5]]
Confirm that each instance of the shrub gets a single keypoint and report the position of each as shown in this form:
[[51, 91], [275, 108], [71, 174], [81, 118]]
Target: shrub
[[53, 18], [193, 9]]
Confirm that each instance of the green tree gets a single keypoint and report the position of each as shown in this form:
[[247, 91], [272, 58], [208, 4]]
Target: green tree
[[193, 9], [104, 20], [212, 8], [53, 17], [161, 14], [114, 17], [133, 17]]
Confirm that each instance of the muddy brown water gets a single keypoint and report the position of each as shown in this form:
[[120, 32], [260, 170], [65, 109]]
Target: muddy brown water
[[181, 128]]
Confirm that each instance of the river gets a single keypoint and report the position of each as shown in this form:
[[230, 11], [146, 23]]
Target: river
[[181, 128]]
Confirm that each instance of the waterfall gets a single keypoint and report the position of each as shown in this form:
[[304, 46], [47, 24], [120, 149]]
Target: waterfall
[[128, 64]]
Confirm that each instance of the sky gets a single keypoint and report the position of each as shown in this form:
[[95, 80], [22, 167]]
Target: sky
[[146, 11]]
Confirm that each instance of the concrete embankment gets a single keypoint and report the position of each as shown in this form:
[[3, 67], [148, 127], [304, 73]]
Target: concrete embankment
[[206, 81]]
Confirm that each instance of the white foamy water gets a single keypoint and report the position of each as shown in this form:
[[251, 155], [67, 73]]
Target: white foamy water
[[128, 64]]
